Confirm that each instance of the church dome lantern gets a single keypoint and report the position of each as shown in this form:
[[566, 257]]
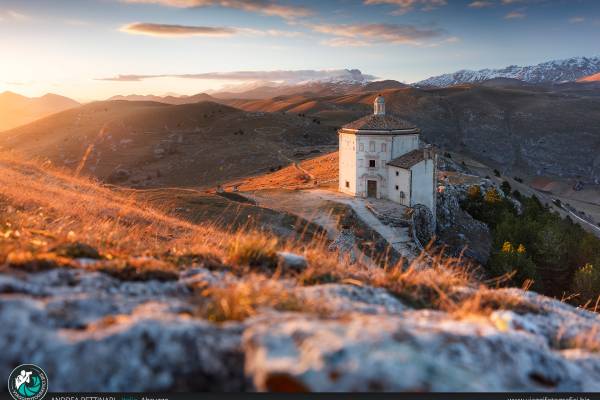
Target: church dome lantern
[[379, 105]]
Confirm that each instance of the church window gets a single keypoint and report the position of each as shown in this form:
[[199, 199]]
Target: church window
[[396, 187], [348, 184], [361, 147], [371, 163], [397, 173], [383, 147], [372, 146]]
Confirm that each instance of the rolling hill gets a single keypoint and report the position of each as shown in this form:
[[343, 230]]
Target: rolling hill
[[18, 110], [149, 144], [510, 124], [520, 128]]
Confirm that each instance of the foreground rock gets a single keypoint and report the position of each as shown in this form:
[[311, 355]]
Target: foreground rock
[[420, 351], [93, 332]]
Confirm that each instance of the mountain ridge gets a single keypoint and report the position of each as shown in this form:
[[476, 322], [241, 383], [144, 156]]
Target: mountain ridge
[[553, 71], [17, 110]]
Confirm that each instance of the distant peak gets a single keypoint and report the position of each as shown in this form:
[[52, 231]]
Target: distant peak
[[553, 71]]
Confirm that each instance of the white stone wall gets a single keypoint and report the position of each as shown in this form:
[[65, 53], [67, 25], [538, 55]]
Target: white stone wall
[[347, 160], [359, 152], [403, 144], [423, 184], [399, 184], [373, 150]]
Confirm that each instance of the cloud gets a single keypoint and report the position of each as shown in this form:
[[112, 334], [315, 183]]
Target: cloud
[[368, 34], [165, 30], [576, 20], [265, 7], [481, 4], [14, 16], [514, 15], [289, 77], [404, 6], [269, 32]]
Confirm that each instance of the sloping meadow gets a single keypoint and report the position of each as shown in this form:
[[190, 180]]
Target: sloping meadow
[[93, 274]]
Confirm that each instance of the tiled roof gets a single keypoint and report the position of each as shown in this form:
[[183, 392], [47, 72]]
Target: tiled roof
[[380, 122], [409, 159]]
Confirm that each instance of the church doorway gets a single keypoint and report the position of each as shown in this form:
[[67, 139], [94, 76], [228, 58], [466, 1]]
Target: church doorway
[[371, 188]]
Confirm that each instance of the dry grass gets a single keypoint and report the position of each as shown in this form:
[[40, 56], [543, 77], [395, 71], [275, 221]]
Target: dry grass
[[50, 219], [321, 171], [257, 250], [484, 301], [246, 298]]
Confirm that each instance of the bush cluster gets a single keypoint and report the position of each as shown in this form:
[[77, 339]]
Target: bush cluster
[[538, 245]]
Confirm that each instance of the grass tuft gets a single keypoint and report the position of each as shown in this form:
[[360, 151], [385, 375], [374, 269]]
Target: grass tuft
[[244, 299], [255, 250]]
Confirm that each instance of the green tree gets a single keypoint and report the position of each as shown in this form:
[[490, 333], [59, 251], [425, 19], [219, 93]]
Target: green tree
[[505, 187], [586, 283], [513, 259]]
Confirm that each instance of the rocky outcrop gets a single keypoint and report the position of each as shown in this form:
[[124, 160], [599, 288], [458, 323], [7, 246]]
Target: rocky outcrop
[[457, 229], [149, 336], [418, 351], [137, 336], [423, 224]]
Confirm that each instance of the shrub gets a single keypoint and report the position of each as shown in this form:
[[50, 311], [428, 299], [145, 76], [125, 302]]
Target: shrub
[[474, 193], [514, 261], [505, 187], [586, 282], [492, 196]]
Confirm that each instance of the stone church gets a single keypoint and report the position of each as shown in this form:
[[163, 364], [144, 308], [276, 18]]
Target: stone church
[[381, 157]]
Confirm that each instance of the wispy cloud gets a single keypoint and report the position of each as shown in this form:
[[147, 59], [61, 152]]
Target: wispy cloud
[[369, 34], [172, 31], [14, 16], [576, 20], [481, 4], [165, 30], [265, 7], [515, 15], [404, 6], [289, 77]]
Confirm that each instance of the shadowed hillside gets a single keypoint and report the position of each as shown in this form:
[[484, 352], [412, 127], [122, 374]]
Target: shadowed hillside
[[518, 127], [154, 144]]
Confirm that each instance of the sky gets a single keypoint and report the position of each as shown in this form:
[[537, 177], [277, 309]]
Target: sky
[[94, 49]]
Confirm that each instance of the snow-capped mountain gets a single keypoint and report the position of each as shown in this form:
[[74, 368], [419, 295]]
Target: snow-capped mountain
[[556, 71]]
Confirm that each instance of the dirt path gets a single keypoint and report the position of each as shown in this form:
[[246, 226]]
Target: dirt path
[[315, 206]]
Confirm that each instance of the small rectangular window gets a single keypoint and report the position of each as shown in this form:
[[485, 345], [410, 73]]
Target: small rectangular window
[[371, 163], [348, 185], [397, 173], [372, 146], [383, 147], [361, 147]]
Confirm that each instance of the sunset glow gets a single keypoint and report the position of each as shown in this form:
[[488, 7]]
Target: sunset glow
[[72, 47]]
